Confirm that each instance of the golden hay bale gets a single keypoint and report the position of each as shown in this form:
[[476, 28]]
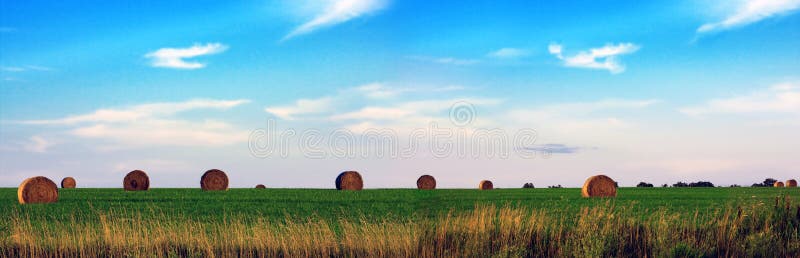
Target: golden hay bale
[[599, 186], [136, 180], [349, 180], [37, 189], [68, 182], [485, 185], [260, 186], [426, 182], [791, 183], [214, 180], [778, 184]]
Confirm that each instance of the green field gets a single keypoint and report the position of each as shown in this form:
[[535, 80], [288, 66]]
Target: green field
[[379, 204], [562, 211]]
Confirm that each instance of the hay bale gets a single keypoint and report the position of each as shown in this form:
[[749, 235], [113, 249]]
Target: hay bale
[[214, 180], [791, 183], [260, 186], [349, 180], [68, 182], [426, 182], [136, 180], [599, 186], [778, 184], [37, 189], [485, 185]]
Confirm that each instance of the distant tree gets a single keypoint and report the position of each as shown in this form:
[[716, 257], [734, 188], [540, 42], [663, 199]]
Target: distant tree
[[643, 184], [665, 185], [616, 184], [528, 185], [769, 182], [735, 185], [555, 186], [701, 184], [680, 184]]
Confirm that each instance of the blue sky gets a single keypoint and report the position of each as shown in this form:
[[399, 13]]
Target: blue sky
[[655, 91]]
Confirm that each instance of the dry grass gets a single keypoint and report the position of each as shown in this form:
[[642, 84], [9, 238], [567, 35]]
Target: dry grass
[[758, 230]]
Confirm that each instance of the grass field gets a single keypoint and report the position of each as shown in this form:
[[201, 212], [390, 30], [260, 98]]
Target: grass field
[[406, 222]]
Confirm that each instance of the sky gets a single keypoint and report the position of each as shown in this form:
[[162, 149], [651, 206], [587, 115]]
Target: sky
[[291, 93]]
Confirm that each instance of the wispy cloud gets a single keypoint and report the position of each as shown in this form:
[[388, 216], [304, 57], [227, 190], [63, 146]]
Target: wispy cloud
[[780, 98], [557, 148], [579, 116], [381, 91], [445, 60], [604, 58], [302, 107], [153, 124], [25, 68], [175, 57], [751, 11], [509, 53], [143, 111], [37, 144], [323, 107], [339, 11]]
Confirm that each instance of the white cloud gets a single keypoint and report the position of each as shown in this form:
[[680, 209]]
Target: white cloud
[[153, 124], [446, 60], [509, 53], [596, 58], [37, 144], [579, 108], [327, 105], [164, 132], [25, 68], [578, 117], [338, 11], [142, 112], [302, 107], [751, 11], [382, 91], [175, 57], [781, 98]]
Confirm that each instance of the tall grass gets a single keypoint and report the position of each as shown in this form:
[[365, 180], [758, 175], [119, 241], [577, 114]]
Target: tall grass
[[760, 229]]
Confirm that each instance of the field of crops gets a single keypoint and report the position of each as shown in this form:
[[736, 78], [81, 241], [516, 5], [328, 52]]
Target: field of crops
[[405, 222]]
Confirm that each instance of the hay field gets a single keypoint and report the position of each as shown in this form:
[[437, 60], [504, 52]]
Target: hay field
[[405, 222]]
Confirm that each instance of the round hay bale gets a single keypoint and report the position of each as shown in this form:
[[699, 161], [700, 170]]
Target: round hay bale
[[791, 183], [349, 180], [426, 182], [599, 186], [37, 189], [778, 184], [136, 180], [485, 185], [214, 180], [68, 182], [260, 186]]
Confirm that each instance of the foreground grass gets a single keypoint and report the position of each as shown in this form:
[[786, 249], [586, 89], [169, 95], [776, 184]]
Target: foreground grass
[[514, 222]]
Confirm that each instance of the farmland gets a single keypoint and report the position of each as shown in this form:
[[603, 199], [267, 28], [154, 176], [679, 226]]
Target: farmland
[[406, 222]]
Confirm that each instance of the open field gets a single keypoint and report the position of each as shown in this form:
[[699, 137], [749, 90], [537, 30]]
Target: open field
[[406, 222]]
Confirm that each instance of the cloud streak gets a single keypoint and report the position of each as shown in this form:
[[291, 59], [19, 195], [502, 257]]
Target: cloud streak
[[339, 11], [445, 60], [176, 57], [153, 124], [781, 98], [604, 58], [751, 11], [555, 148], [508, 53]]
